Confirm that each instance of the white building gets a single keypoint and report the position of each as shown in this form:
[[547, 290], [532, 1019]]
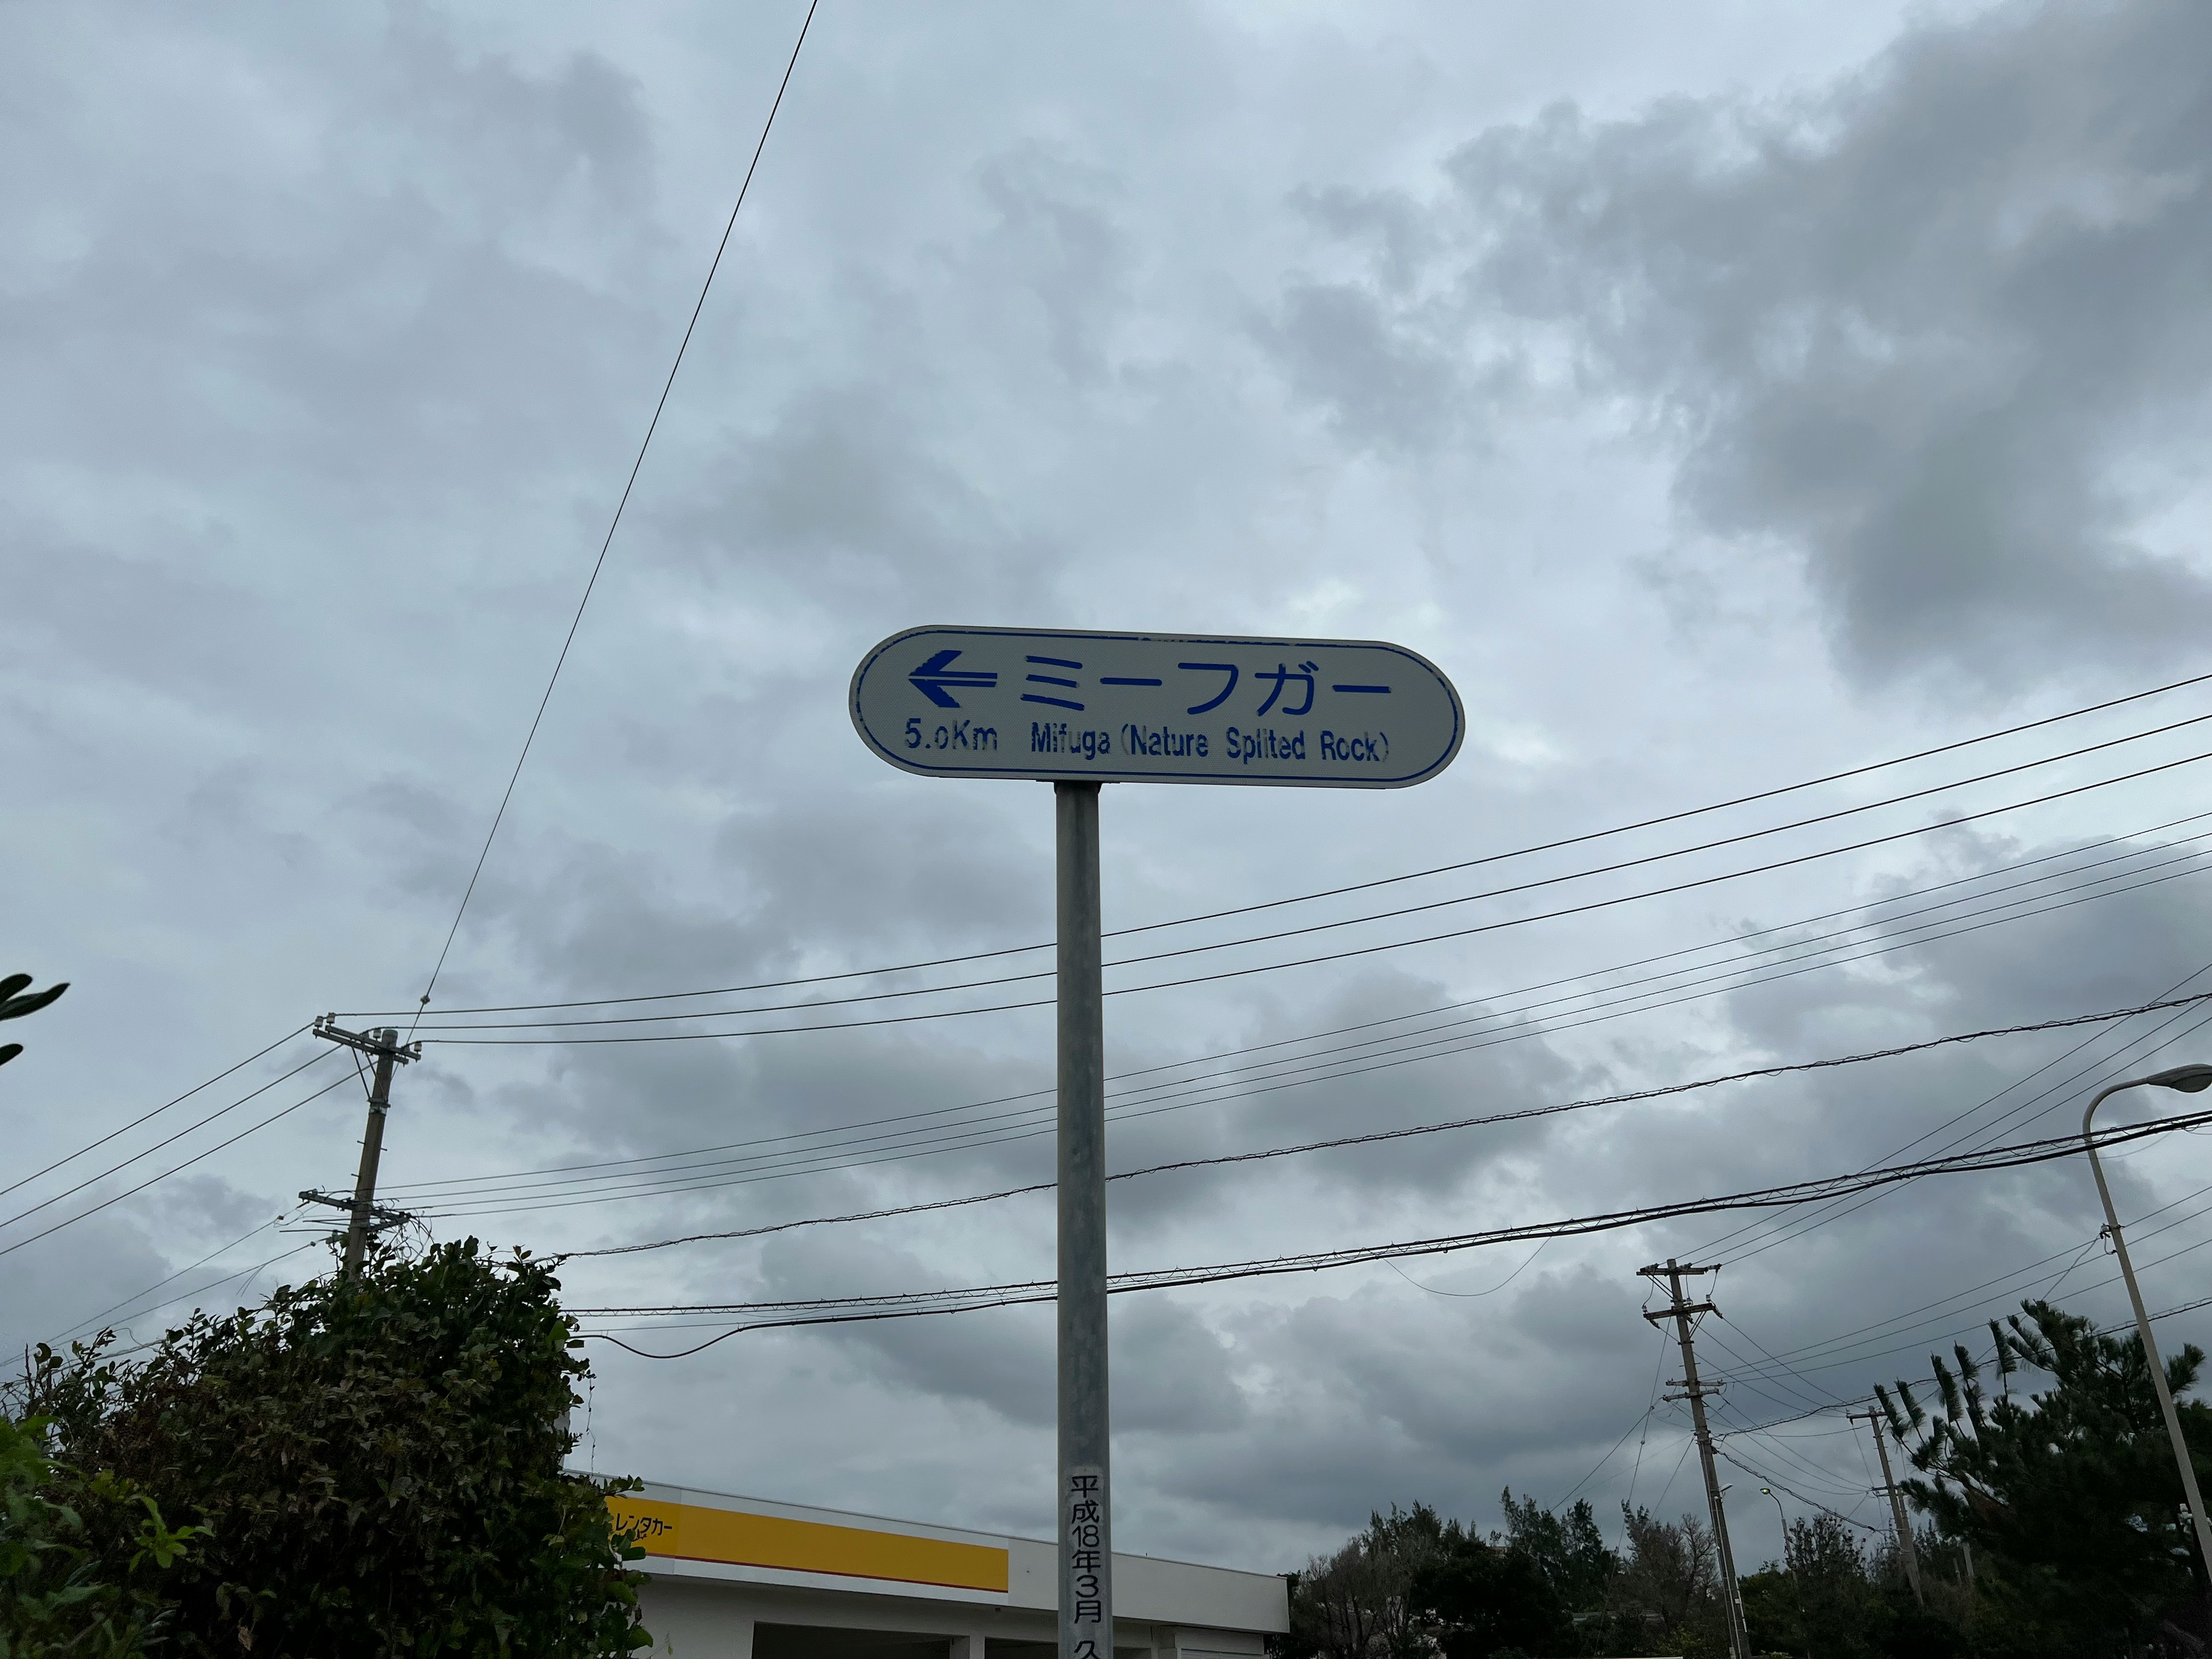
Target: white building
[[742, 1578]]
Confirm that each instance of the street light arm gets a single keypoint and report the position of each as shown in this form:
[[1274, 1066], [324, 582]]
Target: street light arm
[[2103, 1095], [2096, 1164]]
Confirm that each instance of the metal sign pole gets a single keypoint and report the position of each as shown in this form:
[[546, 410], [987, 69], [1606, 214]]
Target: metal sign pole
[[1087, 1545]]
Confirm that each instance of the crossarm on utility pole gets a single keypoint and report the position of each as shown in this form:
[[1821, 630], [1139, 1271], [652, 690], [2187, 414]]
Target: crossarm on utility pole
[[385, 1047]]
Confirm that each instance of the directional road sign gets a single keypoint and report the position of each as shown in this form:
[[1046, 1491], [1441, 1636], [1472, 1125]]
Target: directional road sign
[[1082, 709], [1006, 702]]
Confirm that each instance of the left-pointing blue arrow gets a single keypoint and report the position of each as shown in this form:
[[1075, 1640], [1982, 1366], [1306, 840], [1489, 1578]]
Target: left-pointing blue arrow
[[935, 678]]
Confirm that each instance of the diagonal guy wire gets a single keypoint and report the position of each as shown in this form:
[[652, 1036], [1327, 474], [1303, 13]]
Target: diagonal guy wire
[[599, 564]]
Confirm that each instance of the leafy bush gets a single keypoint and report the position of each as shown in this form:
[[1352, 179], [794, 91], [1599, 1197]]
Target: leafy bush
[[53, 1597], [376, 1465]]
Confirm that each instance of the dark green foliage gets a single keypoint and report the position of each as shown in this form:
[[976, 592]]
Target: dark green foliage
[[1834, 1590], [55, 1597], [1480, 1601], [378, 1465], [1414, 1585], [1667, 1590], [2059, 1532], [1569, 1551], [1358, 1602], [2069, 1498], [14, 1005], [1836, 1597]]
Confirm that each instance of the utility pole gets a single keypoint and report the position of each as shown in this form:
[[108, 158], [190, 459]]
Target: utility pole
[[386, 1049], [1904, 1527], [1681, 1311]]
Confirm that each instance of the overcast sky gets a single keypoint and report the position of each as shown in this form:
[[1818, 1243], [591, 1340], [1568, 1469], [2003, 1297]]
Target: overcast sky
[[1723, 395]]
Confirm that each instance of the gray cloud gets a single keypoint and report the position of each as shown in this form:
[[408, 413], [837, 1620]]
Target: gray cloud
[[330, 340], [1931, 333]]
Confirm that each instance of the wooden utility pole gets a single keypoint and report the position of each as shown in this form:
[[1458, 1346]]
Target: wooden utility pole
[[1681, 1311], [363, 1216], [1904, 1527]]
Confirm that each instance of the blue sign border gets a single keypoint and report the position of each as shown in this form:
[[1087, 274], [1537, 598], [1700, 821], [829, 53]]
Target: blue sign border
[[1035, 773]]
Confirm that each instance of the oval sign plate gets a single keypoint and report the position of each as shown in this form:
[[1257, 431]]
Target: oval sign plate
[[1009, 702]]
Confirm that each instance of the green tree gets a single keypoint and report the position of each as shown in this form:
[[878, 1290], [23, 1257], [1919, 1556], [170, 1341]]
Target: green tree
[[1479, 1600], [2068, 1498], [1569, 1550], [1414, 1584], [1833, 1598], [377, 1464], [1668, 1586], [1359, 1603]]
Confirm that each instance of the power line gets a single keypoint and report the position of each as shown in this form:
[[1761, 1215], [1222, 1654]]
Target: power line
[[1511, 890], [1526, 1262], [1746, 1370], [1376, 1136], [1971, 1296], [955, 1300], [247, 1274], [189, 1128], [1764, 1430], [1954, 1333], [1776, 1233], [1332, 892], [1658, 1371], [9, 1250], [1737, 1325], [498, 1195], [1888, 922], [1837, 1351], [1776, 1230], [1605, 1460], [686, 1165], [1689, 1445], [94, 1146], [976, 1298], [1488, 1001], [1758, 1473], [913, 1305], [2161, 1036], [128, 1301], [1333, 956], [828, 1159], [1806, 1467], [1642, 1423], [652, 427]]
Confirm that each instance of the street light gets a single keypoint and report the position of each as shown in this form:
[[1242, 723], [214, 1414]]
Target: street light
[[1784, 1519], [2188, 1079], [1797, 1587]]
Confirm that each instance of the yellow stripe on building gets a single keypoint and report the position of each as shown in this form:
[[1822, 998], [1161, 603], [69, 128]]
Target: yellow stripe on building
[[691, 1532]]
